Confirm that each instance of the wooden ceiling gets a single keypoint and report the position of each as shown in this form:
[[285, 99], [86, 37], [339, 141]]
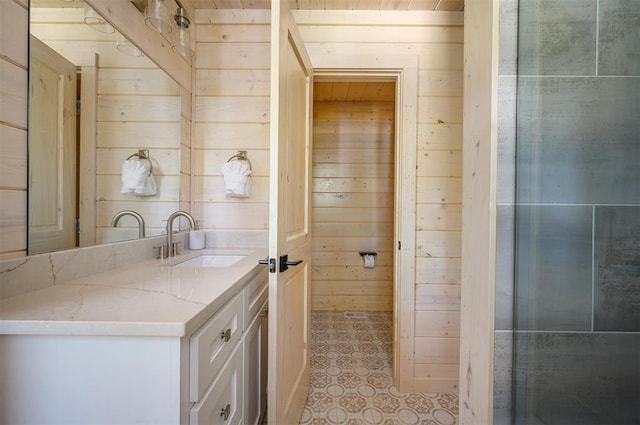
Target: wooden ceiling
[[434, 5], [354, 91]]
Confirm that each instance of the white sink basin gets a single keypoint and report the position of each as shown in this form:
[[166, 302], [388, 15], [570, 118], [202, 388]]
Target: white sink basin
[[211, 260]]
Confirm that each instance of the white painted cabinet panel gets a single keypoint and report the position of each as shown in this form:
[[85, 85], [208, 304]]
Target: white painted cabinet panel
[[222, 402], [255, 367], [212, 344]]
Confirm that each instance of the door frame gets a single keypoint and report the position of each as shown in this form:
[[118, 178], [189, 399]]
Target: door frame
[[403, 70]]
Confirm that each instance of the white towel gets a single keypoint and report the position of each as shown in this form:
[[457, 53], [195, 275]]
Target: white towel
[[137, 179], [236, 179], [149, 188]]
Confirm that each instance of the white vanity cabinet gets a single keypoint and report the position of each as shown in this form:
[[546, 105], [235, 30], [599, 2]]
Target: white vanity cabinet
[[228, 369], [216, 369], [255, 352], [209, 376]]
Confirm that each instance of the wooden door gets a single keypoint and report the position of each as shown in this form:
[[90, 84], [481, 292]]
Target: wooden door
[[289, 220], [52, 150]]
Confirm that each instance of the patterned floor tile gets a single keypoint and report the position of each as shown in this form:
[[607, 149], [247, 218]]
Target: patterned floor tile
[[351, 377]]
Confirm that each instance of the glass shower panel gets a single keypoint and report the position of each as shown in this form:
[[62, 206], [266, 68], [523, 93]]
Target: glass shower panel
[[577, 209]]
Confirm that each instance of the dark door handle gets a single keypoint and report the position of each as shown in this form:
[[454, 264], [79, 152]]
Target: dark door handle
[[285, 263], [271, 262]]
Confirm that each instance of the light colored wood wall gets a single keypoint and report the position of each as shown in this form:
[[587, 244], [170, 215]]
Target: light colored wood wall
[[353, 189], [231, 113], [13, 128], [138, 107], [439, 47]]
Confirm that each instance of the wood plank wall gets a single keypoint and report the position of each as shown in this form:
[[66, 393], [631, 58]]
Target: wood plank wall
[[437, 40], [138, 107], [13, 128], [231, 113], [353, 195]]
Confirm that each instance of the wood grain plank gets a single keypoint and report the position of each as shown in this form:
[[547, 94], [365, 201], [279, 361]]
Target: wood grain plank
[[236, 82], [437, 324], [366, 288], [232, 56], [433, 350], [139, 108], [351, 303], [439, 137], [230, 136], [439, 190], [349, 258], [13, 91], [351, 273], [352, 243], [437, 297], [365, 215], [438, 270], [352, 229], [439, 217], [438, 244], [13, 158], [232, 109], [14, 22], [354, 184]]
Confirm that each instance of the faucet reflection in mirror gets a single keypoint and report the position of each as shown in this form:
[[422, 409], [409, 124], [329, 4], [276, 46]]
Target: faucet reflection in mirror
[[118, 215]]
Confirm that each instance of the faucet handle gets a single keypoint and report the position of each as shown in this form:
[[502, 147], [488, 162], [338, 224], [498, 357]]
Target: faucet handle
[[162, 252], [174, 248]]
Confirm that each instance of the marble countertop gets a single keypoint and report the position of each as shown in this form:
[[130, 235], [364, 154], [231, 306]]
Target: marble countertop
[[151, 298]]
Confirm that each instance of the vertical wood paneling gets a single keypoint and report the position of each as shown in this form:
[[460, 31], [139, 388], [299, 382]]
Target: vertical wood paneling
[[13, 129], [479, 212], [361, 164]]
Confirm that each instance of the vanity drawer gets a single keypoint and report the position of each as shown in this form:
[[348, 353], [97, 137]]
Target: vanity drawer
[[212, 344], [255, 294], [222, 402]]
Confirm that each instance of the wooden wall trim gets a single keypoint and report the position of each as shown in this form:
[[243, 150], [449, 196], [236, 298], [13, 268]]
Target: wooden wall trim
[[479, 211], [130, 22], [87, 170], [378, 17]]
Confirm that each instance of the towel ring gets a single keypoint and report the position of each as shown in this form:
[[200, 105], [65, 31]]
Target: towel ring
[[241, 156], [143, 154]]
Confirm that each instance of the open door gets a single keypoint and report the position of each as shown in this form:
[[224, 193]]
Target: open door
[[289, 220], [52, 150]]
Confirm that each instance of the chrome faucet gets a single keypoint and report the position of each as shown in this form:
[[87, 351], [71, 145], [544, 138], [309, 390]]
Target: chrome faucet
[[118, 215], [170, 249]]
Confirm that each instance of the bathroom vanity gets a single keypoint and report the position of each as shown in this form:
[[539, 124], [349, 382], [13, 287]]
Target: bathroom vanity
[[153, 343]]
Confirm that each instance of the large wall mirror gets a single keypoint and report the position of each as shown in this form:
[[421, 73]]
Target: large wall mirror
[[95, 100]]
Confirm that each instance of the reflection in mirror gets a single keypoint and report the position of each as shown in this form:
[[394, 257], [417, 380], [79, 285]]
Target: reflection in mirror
[[125, 103]]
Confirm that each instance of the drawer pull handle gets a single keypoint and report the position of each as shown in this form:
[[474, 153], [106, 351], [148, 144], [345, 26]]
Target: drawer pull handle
[[226, 335], [225, 412]]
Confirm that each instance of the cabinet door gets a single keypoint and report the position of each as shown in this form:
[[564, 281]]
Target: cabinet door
[[255, 368], [211, 345], [222, 403]]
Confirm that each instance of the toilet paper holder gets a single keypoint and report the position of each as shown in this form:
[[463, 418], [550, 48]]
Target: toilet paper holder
[[363, 253]]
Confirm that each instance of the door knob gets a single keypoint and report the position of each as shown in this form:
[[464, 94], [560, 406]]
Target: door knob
[[285, 263]]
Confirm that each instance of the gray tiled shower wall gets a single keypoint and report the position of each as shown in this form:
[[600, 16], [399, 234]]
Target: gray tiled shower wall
[[576, 210]]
